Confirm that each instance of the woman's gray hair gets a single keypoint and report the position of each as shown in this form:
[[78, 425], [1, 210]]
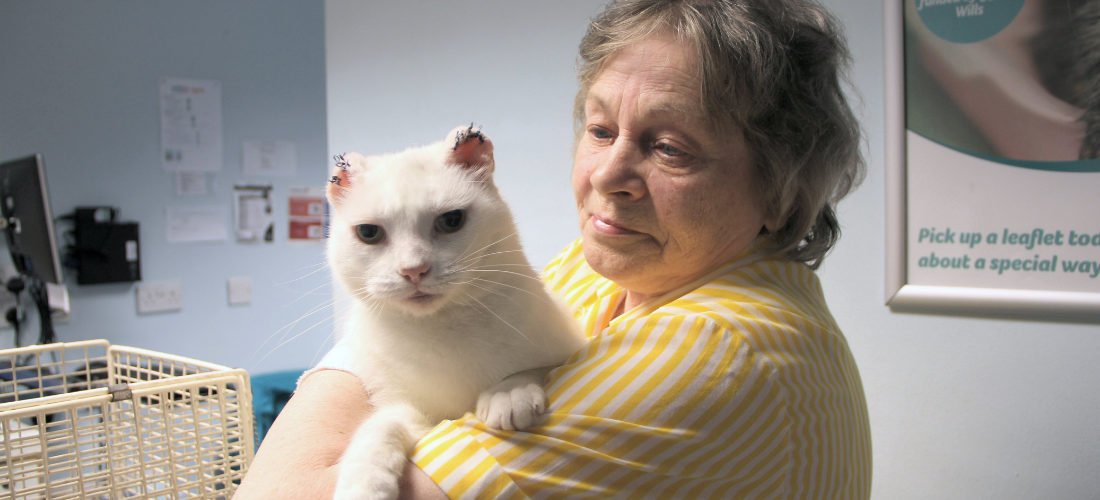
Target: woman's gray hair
[[776, 70]]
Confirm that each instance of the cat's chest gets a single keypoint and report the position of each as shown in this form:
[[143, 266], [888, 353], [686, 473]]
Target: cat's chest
[[442, 374]]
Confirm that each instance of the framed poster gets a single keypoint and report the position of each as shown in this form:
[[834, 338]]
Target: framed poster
[[993, 157]]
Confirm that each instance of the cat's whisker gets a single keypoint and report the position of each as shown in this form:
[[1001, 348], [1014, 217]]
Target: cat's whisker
[[500, 252], [313, 361], [315, 271], [311, 311], [494, 292], [528, 292], [487, 266], [459, 260], [289, 327], [501, 319], [496, 265], [331, 334], [503, 271], [464, 251], [505, 237], [327, 283], [364, 295], [475, 265], [475, 260], [333, 315]]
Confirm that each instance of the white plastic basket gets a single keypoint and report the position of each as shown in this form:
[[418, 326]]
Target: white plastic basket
[[88, 420]]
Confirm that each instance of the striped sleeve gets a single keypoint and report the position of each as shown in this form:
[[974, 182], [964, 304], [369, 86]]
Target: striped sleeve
[[664, 406]]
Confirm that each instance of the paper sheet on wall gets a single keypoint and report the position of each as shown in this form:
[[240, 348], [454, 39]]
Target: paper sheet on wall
[[306, 213], [190, 183], [190, 125], [269, 158], [189, 224], [254, 217]]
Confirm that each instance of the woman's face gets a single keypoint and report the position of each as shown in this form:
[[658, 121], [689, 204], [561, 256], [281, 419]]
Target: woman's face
[[663, 198]]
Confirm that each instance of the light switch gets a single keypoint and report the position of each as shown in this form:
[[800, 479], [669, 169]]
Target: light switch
[[240, 290]]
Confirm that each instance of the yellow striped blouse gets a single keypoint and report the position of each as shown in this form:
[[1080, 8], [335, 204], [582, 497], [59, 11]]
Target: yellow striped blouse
[[739, 385]]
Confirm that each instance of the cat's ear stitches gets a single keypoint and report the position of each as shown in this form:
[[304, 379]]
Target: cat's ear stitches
[[346, 166], [472, 148]]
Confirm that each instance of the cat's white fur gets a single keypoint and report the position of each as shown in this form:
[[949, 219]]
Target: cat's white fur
[[482, 314]]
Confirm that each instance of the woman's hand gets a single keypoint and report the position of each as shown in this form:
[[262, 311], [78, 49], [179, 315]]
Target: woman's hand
[[300, 453]]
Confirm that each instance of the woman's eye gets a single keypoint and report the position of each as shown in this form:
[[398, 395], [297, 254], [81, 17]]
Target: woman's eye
[[451, 221], [600, 133], [370, 233], [670, 150]]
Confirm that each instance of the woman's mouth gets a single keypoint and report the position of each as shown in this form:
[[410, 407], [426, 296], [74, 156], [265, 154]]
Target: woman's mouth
[[608, 227]]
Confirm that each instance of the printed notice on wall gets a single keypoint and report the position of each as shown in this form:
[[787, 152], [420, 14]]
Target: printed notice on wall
[[190, 125], [306, 213], [279, 158], [1003, 162], [190, 183], [253, 214], [191, 224]]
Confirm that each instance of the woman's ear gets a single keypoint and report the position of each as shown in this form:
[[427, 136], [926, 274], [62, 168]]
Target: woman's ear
[[774, 224]]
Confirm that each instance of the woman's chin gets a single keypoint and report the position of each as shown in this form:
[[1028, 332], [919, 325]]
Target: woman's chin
[[621, 263]]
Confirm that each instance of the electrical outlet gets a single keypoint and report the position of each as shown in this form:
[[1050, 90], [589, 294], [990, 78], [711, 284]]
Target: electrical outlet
[[240, 290], [159, 297]]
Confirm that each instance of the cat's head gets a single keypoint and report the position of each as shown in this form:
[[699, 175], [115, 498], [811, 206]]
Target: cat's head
[[406, 227]]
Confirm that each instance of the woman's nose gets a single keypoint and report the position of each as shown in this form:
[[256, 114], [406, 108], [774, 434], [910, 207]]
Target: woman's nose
[[618, 173]]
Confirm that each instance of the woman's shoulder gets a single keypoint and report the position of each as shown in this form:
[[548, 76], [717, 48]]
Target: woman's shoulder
[[769, 289]]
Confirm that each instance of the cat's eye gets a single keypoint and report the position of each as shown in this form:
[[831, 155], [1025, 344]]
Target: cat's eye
[[370, 233], [451, 221]]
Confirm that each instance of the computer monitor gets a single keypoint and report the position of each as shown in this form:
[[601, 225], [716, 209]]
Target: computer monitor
[[25, 205]]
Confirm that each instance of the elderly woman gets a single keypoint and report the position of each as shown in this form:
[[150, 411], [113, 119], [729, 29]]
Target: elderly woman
[[713, 142]]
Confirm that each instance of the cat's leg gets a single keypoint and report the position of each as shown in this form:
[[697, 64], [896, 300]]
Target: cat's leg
[[516, 403], [371, 467]]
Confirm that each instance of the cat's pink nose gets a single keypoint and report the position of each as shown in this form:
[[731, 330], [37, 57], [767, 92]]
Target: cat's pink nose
[[415, 273]]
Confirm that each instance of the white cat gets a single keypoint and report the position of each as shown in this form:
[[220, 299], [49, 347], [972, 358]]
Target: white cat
[[446, 307]]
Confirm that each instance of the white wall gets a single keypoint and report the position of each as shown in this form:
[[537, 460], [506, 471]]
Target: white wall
[[960, 408], [79, 83]]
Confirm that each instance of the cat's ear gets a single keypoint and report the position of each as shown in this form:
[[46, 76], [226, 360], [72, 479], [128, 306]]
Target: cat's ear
[[343, 175], [470, 148]]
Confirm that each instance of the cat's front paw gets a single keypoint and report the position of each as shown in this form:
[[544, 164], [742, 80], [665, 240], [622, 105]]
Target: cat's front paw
[[366, 486], [513, 405]]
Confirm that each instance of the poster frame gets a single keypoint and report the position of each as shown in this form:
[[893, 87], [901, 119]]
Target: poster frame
[[900, 296]]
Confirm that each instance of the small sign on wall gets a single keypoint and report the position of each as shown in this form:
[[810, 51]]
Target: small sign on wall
[[307, 212]]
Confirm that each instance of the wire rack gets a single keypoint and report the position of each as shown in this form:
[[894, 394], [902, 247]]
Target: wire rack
[[88, 420]]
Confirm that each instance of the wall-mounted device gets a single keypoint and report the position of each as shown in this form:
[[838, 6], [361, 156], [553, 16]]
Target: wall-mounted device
[[105, 251]]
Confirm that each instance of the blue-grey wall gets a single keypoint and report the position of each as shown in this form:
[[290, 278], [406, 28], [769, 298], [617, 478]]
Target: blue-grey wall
[[79, 83]]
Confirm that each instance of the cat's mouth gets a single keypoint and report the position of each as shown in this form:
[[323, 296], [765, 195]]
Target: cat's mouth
[[423, 298]]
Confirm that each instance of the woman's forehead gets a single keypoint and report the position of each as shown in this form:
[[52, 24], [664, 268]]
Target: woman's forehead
[[658, 89]]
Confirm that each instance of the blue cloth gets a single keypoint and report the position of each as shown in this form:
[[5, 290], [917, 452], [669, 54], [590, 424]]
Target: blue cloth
[[270, 392]]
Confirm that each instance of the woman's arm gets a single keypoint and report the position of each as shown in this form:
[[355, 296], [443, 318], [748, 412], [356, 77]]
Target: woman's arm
[[300, 453]]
